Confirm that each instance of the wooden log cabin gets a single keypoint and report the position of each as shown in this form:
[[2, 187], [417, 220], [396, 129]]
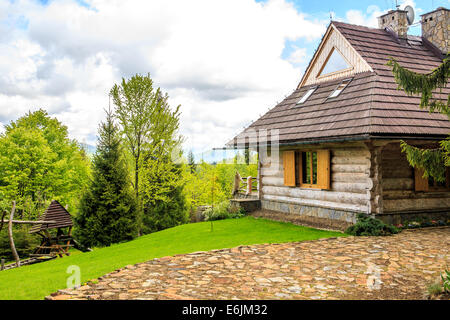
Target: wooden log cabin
[[339, 131]]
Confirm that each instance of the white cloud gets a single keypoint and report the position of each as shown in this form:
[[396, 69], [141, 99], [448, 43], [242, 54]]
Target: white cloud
[[220, 59], [369, 17], [298, 56]]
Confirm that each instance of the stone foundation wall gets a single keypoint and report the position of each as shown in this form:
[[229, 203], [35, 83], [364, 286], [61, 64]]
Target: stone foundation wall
[[310, 211], [350, 217]]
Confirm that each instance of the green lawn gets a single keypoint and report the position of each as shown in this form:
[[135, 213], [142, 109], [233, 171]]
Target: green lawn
[[38, 280]]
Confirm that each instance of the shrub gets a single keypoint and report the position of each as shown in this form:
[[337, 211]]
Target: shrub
[[422, 223], [446, 280], [25, 243], [222, 211], [434, 289], [368, 226], [440, 287]]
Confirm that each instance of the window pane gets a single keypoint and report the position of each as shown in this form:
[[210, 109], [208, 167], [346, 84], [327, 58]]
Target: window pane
[[339, 88], [336, 62], [307, 95], [314, 167], [306, 167]]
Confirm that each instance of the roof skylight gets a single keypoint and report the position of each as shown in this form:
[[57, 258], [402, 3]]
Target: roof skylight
[[307, 95], [340, 88]]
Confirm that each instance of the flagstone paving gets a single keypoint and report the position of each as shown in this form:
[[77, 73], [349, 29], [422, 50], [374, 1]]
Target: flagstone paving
[[394, 267]]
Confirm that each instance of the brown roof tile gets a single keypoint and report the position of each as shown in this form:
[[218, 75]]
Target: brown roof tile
[[57, 213]]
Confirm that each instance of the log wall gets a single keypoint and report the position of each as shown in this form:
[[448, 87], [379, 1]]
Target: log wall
[[372, 178], [349, 186], [398, 186]]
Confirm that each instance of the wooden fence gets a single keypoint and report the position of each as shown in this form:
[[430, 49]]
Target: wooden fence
[[245, 186]]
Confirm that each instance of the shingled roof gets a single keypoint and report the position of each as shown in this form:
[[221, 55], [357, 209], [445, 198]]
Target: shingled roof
[[371, 105], [57, 213]]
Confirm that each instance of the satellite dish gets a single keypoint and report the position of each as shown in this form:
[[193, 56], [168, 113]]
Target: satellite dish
[[409, 14]]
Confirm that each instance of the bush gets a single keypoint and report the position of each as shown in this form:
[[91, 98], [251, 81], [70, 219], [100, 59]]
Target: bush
[[422, 223], [25, 243], [168, 213], [434, 289], [446, 280], [222, 211], [368, 226]]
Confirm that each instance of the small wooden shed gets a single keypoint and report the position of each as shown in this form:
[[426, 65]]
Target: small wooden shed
[[60, 243]]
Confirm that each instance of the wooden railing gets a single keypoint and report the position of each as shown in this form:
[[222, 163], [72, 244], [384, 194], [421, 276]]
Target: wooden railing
[[245, 185]]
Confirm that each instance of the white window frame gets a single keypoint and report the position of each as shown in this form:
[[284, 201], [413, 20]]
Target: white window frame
[[336, 92], [307, 95]]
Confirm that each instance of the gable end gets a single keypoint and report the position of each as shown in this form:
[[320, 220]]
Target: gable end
[[333, 41]]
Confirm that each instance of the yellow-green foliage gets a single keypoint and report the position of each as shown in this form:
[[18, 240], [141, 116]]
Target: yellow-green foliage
[[38, 163], [213, 183]]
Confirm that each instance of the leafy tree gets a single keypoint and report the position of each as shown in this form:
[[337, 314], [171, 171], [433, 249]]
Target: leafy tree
[[147, 123], [165, 203], [433, 161], [38, 163], [108, 208]]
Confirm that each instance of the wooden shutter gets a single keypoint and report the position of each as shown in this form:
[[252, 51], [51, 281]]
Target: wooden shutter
[[323, 169], [420, 183], [289, 168]]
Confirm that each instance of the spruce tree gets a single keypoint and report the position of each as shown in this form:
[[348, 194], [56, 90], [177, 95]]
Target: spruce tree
[[433, 161], [108, 208], [191, 162]]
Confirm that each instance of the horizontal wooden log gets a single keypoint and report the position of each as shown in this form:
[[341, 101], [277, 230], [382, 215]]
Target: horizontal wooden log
[[272, 172], [317, 194], [410, 194], [350, 168], [351, 153], [398, 184], [416, 204], [400, 171], [317, 203], [354, 187], [350, 160], [349, 177], [345, 177], [273, 181], [29, 222]]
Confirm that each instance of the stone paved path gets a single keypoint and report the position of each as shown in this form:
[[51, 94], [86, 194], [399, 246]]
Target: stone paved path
[[395, 267]]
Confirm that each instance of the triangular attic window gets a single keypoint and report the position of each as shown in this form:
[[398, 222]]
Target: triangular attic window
[[334, 63]]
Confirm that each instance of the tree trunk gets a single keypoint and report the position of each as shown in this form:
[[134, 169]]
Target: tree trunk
[[10, 233], [138, 203]]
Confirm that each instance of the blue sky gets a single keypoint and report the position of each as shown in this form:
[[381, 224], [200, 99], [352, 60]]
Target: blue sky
[[226, 62]]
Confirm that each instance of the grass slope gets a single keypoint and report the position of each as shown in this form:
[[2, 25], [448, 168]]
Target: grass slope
[[38, 280]]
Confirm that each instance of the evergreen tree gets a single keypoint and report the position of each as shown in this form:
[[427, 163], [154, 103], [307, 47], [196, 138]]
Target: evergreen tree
[[433, 161], [191, 162], [108, 208]]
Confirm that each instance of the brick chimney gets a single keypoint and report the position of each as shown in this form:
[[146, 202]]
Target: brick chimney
[[436, 28], [394, 21]]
